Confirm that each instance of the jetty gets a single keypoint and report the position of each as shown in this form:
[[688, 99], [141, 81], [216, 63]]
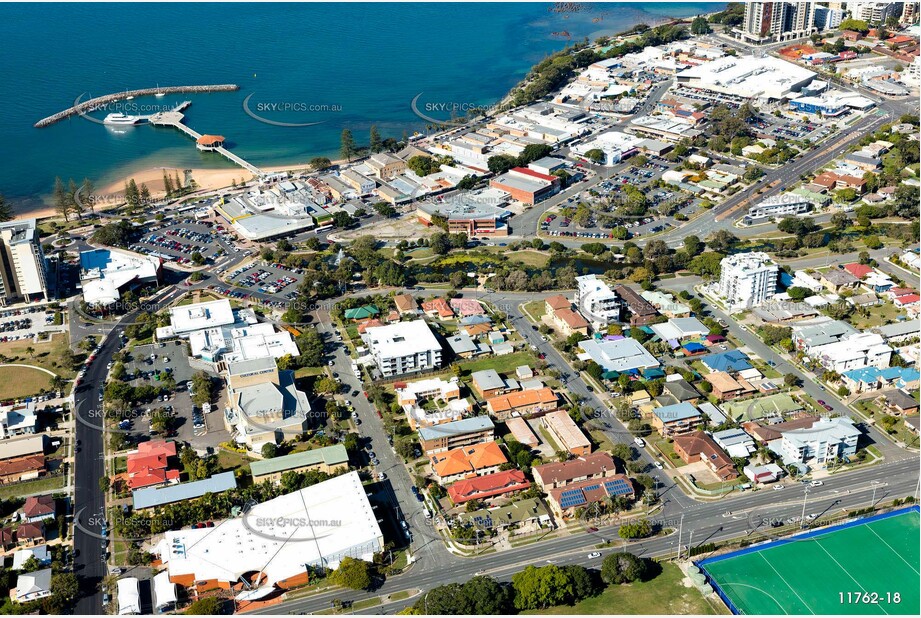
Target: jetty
[[95, 103], [211, 143]]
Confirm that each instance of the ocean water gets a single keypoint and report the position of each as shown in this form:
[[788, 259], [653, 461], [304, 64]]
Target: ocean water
[[329, 66]]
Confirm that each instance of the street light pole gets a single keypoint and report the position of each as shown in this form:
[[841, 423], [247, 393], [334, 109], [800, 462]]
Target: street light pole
[[680, 527], [873, 500], [802, 520]]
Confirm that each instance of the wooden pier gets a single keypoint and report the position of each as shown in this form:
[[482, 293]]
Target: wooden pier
[[174, 118]]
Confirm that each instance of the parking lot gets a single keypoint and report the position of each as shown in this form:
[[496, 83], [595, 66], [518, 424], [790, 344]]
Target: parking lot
[[145, 365], [766, 125], [26, 323], [606, 199], [177, 241], [272, 279]]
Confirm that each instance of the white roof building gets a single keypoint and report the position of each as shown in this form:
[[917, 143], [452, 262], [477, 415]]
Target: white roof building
[[680, 328], [614, 144], [32, 586], [39, 552], [621, 355], [748, 279], [129, 596], [827, 439], [597, 302], [17, 420], [164, 592], [315, 527], [106, 273], [404, 347], [188, 318], [853, 352], [748, 77]]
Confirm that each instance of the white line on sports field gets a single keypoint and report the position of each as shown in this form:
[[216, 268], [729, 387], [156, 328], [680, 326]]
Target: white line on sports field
[[910, 566], [846, 572], [767, 594], [792, 589]]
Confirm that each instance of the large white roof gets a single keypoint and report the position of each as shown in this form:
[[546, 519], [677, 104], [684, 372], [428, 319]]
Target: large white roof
[[401, 339], [619, 355], [747, 76], [318, 525], [187, 318]]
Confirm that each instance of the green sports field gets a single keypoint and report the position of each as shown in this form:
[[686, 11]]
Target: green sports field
[[866, 562]]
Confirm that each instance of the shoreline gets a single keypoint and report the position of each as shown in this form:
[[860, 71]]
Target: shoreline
[[213, 179]]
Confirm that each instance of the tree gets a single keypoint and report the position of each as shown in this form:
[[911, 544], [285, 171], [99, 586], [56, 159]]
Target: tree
[[790, 380], [352, 573], [59, 198], [206, 606], [375, 144], [622, 568], [197, 258], [722, 241], [798, 293], [326, 386], [595, 155], [319, 164], [541, 587], [499, 164], [347, 145], [6, 210], [840, 221], [635, 530], [269, 450], [700, 26]]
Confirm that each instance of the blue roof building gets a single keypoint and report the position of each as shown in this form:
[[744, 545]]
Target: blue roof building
[[730, 362], [151, 497]]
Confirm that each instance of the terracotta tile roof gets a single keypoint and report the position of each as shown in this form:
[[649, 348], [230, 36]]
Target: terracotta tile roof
[[439, 305], [166, 447], [558, 302], [210, 140], [488, 486], [520, 399], [372, 323], [475, 330], [37, 506], [699, 443], [571, 318], [468, 459], [404, 302], [858, 270], [587, 465], [30, 531], [20, 465]]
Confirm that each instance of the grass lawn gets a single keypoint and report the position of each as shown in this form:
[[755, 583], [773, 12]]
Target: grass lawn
[[399, 596], [47, 354], [536, 309], [307, 372], [663, 595], [880, 315], [121, 464], [230, 460], [502, 364], [601, 440], [668, 450], [766, 370], [529, 257], [545, 435], [47, 484], [18, 382]]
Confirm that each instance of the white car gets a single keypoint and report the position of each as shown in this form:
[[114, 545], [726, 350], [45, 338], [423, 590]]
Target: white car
[[778, 487], [381, 476], [595, 554], [816, 483], [639, 442], [659, 465]]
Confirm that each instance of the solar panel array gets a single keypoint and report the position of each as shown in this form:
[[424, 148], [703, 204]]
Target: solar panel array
[[571, 497], [618, 487]]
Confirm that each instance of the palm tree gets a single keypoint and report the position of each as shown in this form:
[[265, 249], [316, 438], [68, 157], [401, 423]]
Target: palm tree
[[30, 351]]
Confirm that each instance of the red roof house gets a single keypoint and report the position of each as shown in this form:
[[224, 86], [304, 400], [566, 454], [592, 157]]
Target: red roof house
[[858, 270], [38, 508], [149, 466], [488, 486]]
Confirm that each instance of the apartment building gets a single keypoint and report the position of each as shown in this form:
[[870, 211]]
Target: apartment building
[[22, 263], [403, 348], [748, 279]]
